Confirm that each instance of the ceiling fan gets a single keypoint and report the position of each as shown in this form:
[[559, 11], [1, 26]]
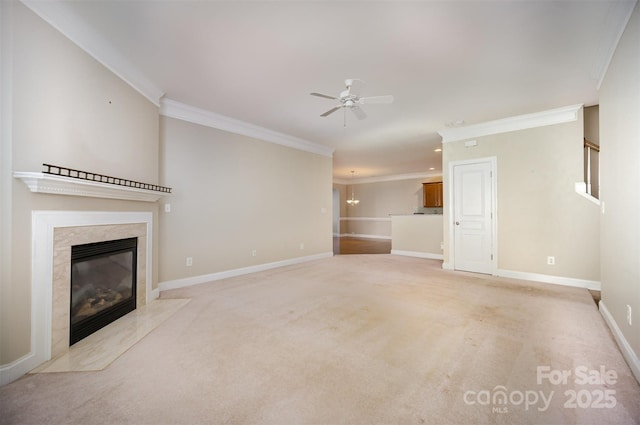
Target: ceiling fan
[[350, 99]]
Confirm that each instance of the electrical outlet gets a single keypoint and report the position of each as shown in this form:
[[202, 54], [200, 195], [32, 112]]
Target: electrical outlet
[[301, 245], [189, 261], [629, 311], [253, 253], [551, 260]]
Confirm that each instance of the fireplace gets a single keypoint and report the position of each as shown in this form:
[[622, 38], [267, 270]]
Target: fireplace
[[103, 285], [54, 234]]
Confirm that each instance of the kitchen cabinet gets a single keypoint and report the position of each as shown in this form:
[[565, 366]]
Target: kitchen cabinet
[[432, 195]]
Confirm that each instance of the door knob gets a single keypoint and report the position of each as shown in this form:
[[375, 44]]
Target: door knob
[[457, 223]]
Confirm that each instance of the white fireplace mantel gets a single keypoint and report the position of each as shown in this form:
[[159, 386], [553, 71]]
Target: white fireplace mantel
[[61, 185]]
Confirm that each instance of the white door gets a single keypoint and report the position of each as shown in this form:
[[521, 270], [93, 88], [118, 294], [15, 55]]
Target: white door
[[473, 217]]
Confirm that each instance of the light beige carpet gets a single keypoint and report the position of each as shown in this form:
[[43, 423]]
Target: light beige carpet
[[361, 339]]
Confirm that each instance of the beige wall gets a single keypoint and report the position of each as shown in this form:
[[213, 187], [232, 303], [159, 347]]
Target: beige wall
[[234, 194], [417, 234], [65, 109], [620, 183], [378, 201], [539, 213], [70, 110]]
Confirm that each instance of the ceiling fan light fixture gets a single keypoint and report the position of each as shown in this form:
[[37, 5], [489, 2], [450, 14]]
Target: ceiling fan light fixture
[[352, 100]]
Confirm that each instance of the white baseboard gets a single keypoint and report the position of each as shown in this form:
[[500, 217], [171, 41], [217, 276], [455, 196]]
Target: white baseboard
[[627, 352], [18, 368], [155, 293], [447, 266], [195, 280], [545, 278], [417, 254]]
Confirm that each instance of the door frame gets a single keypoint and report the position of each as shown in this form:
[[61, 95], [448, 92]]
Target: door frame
[[493, 164], [335, 209]]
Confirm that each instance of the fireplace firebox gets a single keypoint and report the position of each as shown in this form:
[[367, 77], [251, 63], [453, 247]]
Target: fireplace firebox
[[103, 285]]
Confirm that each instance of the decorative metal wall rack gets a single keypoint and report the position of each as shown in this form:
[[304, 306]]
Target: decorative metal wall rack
[[100, 178]]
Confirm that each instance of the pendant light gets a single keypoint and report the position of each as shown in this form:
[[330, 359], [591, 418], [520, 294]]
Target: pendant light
[[353, 201]]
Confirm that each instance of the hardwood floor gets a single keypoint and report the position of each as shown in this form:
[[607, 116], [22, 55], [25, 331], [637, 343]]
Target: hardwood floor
[[595, 295], [351, 245]]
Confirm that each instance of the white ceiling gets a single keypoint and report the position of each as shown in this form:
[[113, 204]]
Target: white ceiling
[[443, 61]]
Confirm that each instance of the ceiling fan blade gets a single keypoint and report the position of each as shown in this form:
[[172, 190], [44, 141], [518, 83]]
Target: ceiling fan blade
[[331, 111], [323, 95], [358, 112], [376, 99]]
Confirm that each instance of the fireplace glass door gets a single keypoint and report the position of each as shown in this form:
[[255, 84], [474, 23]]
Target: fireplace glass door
[[103, 285]]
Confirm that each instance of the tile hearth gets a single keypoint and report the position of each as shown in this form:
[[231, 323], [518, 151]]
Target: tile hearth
[[100, 349]]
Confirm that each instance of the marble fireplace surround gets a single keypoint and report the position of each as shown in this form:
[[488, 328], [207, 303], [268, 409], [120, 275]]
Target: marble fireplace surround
[[53, 233]]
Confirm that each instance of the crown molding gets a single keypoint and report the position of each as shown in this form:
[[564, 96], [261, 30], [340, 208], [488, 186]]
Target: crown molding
[[520, 122], [614, 27], [173, 109], [60, 16], [390, 178]]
